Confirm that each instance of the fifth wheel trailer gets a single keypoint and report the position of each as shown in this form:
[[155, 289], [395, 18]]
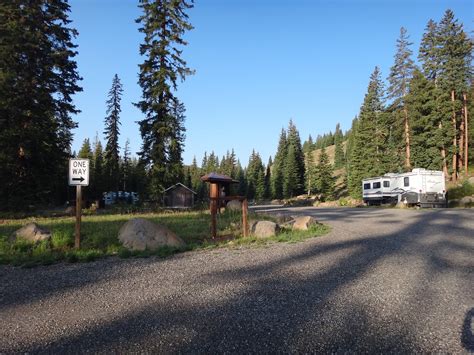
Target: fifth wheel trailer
[[420, 187]]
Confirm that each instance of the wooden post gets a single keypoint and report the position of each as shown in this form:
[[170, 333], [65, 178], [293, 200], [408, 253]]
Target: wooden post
[[77, 236], [214, 195], [245, 224]]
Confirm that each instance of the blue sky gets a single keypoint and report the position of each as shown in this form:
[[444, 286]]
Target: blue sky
[[258, 63]]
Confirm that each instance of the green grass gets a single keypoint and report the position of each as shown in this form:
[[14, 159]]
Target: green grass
[[99, 236], [458, 192]]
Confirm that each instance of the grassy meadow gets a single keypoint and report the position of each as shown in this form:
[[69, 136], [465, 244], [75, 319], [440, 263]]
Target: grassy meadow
[[99, 236]]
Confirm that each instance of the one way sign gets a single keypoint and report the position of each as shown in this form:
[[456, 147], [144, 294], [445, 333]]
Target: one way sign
[[78, 172]]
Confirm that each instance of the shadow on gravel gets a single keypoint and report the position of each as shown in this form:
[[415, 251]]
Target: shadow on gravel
[[467, 337], [284, 310]]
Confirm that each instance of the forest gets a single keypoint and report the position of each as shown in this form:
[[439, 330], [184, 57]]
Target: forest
[[418, 117]]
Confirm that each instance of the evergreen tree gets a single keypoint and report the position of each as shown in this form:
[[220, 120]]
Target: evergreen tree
[[310, 173], [255, 176], [428, 138], [455, 76], [98, 178], [293, 178], [369, 138], [268, 179], [339, 159], [400, 75], [112, 132], [242, 186], [86, 151], [38, 77], [126, 167], [446, 54], [174, 169], [308, 145], [279, 166], [324, 178], [163, 23]]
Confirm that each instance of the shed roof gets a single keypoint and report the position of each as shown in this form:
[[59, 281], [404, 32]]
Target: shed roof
[[215, 177], [179, 184]]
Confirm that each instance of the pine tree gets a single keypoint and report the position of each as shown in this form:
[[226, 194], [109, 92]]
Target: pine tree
[[400, 75], [324, 178], [98, 178], [38, 77], [126, 167], [112, 133], [310, 173], [268, 179], [86, 151], [255, 176], [428, 138], [446, 54], [455, 76], [164, 22], [369, 138], [242, 186], [279, 166], [293, 178], [339, 159]]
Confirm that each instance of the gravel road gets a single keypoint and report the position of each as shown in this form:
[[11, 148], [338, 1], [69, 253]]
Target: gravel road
[[382, 280]]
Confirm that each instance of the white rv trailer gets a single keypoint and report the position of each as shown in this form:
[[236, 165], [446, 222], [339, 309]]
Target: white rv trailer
[[421, 187]]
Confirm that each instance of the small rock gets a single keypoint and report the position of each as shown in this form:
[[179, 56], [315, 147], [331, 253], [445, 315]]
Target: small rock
[[142, 234], [265, 229], [471, 180], [70, 210], [467, 201], [234, 205], [303, 222], [32, 233]]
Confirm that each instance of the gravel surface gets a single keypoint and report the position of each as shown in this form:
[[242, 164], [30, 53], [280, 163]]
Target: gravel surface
[[382, 280]]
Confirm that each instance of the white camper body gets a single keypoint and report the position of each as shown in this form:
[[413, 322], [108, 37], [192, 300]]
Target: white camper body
[[421, 187]]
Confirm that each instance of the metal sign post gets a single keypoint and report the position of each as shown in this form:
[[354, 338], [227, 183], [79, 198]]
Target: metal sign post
[[78, 176]]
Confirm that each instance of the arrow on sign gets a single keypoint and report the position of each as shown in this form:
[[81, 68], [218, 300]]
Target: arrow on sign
[[81, 179]]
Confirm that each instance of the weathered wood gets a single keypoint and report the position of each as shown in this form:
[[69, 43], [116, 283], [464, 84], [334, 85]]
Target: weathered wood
[[245, 224], [77, 233]]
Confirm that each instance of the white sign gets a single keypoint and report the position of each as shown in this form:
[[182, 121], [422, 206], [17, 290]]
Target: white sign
[[78, 172]]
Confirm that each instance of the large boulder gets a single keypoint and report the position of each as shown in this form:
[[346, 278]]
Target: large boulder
[[265, 229], [31, 232], [303, 223], [141, 234], [234, 205]]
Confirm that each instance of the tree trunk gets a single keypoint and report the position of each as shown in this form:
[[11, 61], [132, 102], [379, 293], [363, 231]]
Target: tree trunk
[[407, 140], [455, 143], [466, 136], [461, 143]]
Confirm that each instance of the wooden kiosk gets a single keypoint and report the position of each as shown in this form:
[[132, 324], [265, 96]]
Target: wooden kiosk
[[219, 187]]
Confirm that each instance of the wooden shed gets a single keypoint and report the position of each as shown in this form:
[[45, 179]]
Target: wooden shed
[[179, 196]]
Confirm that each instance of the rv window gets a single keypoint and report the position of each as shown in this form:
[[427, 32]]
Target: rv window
[[386, 184], [406, 181], [366, 186], [376, 185]]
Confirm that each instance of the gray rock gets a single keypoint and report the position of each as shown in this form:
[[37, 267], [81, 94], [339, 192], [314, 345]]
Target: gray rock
[[141, 234], [471, 180], [32, 233], [234, 205], [467, 201], [303, 222], [265, 229], [70, 210]]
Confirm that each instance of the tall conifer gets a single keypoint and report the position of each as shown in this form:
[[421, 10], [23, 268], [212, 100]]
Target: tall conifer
[[163, 22], [112, 133], [38, 77]]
